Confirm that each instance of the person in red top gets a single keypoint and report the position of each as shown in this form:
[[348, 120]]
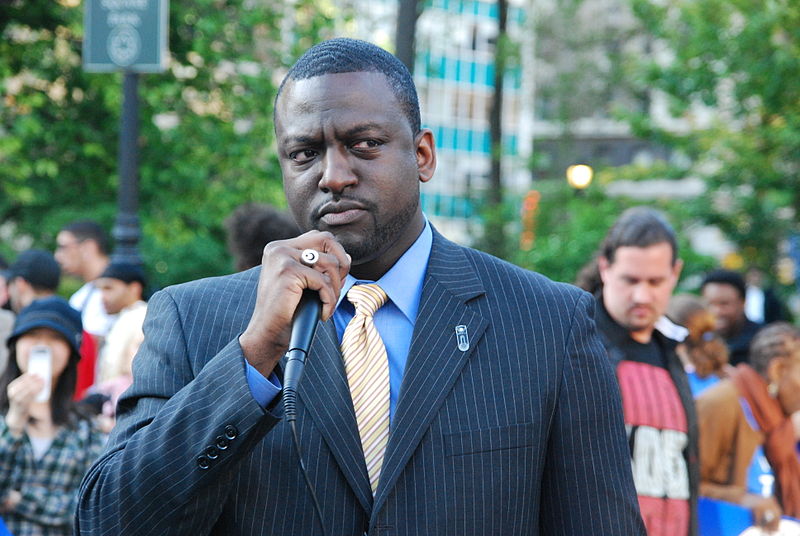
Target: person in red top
[[639, 267]]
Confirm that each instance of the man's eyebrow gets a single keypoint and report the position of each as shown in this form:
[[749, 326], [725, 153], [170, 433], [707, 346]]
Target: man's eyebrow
[[300, 139], [349, 133], [360, 129]]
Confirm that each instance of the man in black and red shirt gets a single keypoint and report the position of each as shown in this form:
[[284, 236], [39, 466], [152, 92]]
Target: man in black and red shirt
[[639, 268]]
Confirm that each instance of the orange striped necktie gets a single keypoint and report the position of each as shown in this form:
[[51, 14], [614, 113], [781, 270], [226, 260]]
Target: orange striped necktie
[[367, 367]]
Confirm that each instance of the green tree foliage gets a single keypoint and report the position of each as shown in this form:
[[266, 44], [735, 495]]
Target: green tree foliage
[[729, 70], [206, 126], [569, 227]]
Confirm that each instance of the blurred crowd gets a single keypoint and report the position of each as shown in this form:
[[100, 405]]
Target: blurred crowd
[[710, 382], [65, 363]]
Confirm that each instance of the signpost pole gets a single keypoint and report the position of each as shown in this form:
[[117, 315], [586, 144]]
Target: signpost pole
[[128, 36], [126, 229]]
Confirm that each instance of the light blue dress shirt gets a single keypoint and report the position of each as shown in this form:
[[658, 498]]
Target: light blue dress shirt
[[394, 321]]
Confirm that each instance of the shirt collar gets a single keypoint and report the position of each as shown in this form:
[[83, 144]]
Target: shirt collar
[[403, 282]]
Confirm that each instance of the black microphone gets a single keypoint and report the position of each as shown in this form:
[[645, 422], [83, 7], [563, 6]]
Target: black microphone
[[304, 324]]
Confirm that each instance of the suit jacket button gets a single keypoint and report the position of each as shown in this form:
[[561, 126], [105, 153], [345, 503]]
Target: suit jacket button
[[221, 442], [231, 432], [212, 452], [203, 462]]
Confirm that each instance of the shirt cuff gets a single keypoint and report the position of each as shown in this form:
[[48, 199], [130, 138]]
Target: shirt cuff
[[264, 390]]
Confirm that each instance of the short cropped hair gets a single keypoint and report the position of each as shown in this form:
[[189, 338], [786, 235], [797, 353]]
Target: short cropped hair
[[777, 340], [726, 277], [89, 230], [344, 55], [252, 226], [639, 227]]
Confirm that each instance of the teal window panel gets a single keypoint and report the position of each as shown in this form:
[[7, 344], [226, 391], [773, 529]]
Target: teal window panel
[[462, 140], [490, 75], [473, 70], [476, 142], [469, 209], [493, 11], [452, 69], [464, 68], [471, 140], [448, 139], [438, 135], [463, 207], [486, 143], [448, 206], [480, 74], [513, 78], [511, 144]]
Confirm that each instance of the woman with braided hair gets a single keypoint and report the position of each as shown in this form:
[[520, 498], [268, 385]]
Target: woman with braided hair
[[749, 429]]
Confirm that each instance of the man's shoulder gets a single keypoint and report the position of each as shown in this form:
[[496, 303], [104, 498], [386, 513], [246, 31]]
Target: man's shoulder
[[751, 328], [130, 317], [80, 294], [500, 276], [236, 286]]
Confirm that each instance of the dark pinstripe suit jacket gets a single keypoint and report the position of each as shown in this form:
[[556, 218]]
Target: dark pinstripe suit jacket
[[521, 433]]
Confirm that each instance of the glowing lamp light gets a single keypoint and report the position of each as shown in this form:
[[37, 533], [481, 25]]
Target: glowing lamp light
[[579, 176]]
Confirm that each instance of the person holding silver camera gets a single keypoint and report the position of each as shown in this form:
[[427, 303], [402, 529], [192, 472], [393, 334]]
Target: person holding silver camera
[[46, 445]]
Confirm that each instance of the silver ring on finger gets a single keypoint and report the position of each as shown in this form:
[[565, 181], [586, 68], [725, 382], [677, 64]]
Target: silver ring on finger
[[309, 257]]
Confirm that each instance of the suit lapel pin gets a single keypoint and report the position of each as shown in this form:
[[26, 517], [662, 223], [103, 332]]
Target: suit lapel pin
[[462, 338]]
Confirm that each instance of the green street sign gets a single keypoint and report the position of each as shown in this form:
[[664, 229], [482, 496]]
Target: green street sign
[[125, 35]]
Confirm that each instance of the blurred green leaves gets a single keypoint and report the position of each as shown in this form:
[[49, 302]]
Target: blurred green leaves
[[729, 70]]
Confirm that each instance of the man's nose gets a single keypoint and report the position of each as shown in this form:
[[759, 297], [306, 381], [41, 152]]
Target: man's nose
[[642, 293], [337, 173]]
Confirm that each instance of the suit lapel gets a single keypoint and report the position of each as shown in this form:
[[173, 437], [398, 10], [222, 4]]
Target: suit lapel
[[326, 396], [435, 360]]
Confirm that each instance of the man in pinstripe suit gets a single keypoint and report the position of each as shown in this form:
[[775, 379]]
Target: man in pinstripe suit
[[505, 414]]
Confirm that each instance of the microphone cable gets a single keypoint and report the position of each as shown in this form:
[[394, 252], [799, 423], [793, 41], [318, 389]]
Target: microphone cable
[[309, 485]]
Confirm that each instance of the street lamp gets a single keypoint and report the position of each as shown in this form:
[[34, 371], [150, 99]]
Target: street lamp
[[579, 176]]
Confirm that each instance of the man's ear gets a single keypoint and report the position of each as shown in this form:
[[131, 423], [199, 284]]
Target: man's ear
[[138, 289], [89, 247], [602, 267], [426, 154], [676, 269]]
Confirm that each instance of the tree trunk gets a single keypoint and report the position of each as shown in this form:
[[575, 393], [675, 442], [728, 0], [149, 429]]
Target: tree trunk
[[494, 237], [407, 14]]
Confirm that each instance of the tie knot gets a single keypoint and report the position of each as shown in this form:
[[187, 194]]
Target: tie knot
[[366, 298]]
